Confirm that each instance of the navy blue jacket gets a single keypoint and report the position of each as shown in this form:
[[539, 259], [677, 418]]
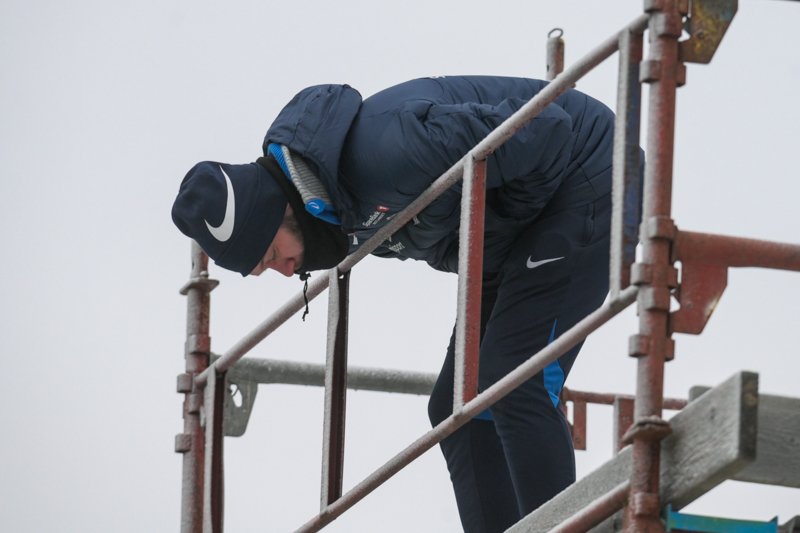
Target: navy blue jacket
[[376, 156]]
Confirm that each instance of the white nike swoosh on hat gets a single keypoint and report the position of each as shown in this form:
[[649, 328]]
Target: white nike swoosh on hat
[[224, 231], [534, 264]]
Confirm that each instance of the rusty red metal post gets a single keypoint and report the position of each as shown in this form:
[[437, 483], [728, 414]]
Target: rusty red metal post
[[623, 420], [627, 188], [335, 388], [579, 424], [191, 443], [214, 474], [654, 275], [470, 281]]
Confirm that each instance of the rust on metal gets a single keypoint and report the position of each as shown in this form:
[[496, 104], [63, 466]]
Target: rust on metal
[[704, 277], [627, 163], [700, 290], [568, 394], [623, 413], [217, 476], [335, 388], [707, 23], [579, 425], [191, 442], [662, 67], [735, 251], [623, 420], [470, 278]]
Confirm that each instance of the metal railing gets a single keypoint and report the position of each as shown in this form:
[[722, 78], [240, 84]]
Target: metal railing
[[651, 282]]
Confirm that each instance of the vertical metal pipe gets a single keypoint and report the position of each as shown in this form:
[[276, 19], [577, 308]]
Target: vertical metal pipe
[[191, 443], [623, 418], [217, 466], [335, 388], [213, 410], [627, 188], [470, 271], [555, 53], [653, 342]]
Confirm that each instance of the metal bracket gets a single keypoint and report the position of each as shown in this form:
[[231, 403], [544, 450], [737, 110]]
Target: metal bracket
[[240, 395], [706, 24], [702, 285]]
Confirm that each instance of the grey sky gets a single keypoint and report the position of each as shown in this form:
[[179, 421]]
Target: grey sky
[[106, 105]]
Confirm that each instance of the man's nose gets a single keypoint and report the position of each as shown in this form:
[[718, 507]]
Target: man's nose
[[285, 267]]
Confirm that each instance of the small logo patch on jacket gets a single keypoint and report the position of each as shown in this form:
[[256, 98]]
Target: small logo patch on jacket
[[373, 219]]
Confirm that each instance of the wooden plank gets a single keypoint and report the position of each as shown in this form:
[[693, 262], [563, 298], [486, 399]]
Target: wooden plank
[[713, 437], [778, 447]]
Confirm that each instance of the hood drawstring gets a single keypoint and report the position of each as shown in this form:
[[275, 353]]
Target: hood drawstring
[[304, 278]]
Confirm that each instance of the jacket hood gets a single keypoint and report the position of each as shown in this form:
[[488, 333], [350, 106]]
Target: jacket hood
[[314, 125]]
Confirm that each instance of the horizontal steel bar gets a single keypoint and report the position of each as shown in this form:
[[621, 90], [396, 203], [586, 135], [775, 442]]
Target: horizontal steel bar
[[673, 404], [358, 378], [276, 371], [480, 403], [488, 145], [736, 251]]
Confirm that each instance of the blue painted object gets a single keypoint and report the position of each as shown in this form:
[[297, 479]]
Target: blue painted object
[[709, 524]]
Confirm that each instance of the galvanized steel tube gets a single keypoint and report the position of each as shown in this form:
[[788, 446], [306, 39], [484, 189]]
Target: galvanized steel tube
[[554, 53]]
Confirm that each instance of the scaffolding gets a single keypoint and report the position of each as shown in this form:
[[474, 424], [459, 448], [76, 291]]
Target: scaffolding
[[660, 466]]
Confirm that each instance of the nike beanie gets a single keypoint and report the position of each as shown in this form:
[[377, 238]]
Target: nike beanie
[[232, 211]]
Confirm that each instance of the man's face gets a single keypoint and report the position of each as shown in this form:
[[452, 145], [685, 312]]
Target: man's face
[[285, 253]]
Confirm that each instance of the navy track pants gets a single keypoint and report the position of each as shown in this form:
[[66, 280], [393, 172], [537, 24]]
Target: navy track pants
[[510, 460]]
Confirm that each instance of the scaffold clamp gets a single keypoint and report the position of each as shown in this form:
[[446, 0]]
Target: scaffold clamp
[[706, 24]]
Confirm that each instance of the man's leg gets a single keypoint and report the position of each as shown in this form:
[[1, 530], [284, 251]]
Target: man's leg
[[474, 455], [556, 274]]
